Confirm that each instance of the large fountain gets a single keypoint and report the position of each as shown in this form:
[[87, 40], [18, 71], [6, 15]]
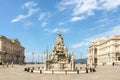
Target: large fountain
[[59, 59]]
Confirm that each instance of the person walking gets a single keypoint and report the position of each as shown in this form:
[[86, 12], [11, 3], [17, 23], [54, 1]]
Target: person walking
[[7, 64], [12, 64]]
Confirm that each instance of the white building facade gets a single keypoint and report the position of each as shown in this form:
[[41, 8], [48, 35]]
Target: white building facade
[[104, 51], [11, 51]]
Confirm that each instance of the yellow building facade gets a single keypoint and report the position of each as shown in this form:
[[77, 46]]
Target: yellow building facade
[[11, 51], [104, 51]]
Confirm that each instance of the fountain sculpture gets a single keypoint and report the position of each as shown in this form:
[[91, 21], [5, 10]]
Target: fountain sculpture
[[59, 59]]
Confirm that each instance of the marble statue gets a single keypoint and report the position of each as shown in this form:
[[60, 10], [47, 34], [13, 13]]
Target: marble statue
[[59, 56]]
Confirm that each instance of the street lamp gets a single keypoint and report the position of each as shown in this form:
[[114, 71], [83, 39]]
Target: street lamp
[[38, 58], [33, 57], [81, 58]]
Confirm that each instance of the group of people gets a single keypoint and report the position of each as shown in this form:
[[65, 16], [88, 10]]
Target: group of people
[[90, 69], [115, 63], [7, 64]]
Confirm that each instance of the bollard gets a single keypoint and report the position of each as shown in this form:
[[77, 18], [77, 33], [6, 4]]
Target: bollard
[[86, 70], [7, 64], [77, 71], [94, 70], [52, 72], [40, 71], [24, 69], [28, 69], [90, 69], [66, 72], [31, 70]]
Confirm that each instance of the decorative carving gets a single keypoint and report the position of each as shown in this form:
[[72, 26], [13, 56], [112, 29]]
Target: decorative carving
[[60, 55]]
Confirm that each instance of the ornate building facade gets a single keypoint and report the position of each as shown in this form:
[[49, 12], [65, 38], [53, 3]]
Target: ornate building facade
[[11, 51], [104, 51]]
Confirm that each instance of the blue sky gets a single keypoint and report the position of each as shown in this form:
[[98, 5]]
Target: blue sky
[[36, 23]]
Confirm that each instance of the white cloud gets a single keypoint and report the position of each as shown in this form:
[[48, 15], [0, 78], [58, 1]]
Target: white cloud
[[63, 30], [110, 4], [43, 24], [29, 5], [21, 17], [28, 23], [80, 44], [76, 19], [42, 16], [103, 20], [113, 31], [61, 23], [101, 27], [31, 11], [78, 6], [87, 7], [47, 30], [55, 30]]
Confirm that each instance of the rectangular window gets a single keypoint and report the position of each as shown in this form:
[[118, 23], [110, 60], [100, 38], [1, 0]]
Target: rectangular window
[[0, 56]]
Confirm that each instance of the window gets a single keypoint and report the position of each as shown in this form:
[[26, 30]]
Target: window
[[95, 50]]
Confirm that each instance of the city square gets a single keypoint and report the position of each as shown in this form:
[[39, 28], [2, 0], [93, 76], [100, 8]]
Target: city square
[[18, 73], [60, 40]]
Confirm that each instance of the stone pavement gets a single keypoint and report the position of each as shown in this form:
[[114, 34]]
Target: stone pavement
[[18, 73]]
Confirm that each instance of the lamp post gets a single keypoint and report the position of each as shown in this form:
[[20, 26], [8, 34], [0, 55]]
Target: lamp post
[[81, 58], [42, 59], [38, 58], [33, 57]]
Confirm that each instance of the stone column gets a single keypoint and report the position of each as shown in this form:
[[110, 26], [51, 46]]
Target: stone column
[[72, 61], [73, 66]]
